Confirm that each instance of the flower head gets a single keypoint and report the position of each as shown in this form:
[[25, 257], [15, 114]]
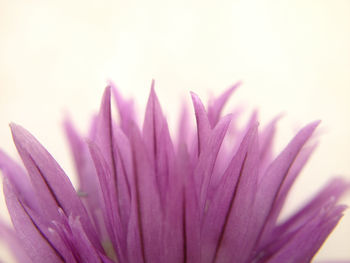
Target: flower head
[[213, 194]]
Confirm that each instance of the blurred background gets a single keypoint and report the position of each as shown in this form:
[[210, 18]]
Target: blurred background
[[292, 56]]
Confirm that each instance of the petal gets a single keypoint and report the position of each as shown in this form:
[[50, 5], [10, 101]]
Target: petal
[[157, 141], [125, 171], [82, 244], [294, 171], [88, 181], [19, 178], [107, 138], [215, 108], [203, 125], [266, 139], [334, 190], [110, 205], [207, 159], [125, 109], [123, 157], [217, 217], [237, 234], [34, 242], [53, 188], [146, 201], [190, 209], [14, 244], [304, 243], [272, 181], [185, 133], [104, 132]]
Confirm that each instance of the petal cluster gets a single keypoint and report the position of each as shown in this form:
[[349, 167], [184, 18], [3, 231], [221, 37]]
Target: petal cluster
[[212, 194]]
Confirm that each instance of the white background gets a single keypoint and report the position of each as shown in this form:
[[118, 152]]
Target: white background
[[293, 57]]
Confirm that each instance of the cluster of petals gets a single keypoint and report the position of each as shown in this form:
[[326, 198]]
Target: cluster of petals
[[212, 194]]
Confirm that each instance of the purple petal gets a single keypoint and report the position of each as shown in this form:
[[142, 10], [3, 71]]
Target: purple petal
[[304, 243], [88, 182], [332, 191], [190, 209], [203, 125], [125, 170], [82, 244], [33, 240], [19, 178], [14, 244], [185, 131], [266, 142], [110, 203], [146, 200], [207, 158], [239, 230], [215, 108], [218, 217], [104, 133], [272, 181], [294, 171], [53, 188], [158, 142], [125, 109], [107, 137]]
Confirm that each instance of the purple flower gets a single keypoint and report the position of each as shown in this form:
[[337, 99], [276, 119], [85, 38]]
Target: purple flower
[[212, 194]]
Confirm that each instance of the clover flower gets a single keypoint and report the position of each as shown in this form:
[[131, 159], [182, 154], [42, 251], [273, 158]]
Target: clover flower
[[213, 194]]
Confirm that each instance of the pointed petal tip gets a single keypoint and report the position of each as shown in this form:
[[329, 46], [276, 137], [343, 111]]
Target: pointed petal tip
[[236, 85], [106, 100], [239, 83], [230, 91], [16, 129], [20, 134], [152, 87], [152, 98], [116, 93], [110, 83], [195, 97], [67, 119], [225, 120], [309, 129], [107, 90], [278, 117], [152, 93], [315, 123], [13, 125]]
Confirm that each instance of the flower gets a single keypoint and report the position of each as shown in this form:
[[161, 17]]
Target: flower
[[212, 195]]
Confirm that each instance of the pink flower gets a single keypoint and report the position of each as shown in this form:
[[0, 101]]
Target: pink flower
[[213, 195]]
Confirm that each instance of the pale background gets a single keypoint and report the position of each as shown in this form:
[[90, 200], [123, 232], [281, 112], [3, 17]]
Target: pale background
[[293, 56]]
